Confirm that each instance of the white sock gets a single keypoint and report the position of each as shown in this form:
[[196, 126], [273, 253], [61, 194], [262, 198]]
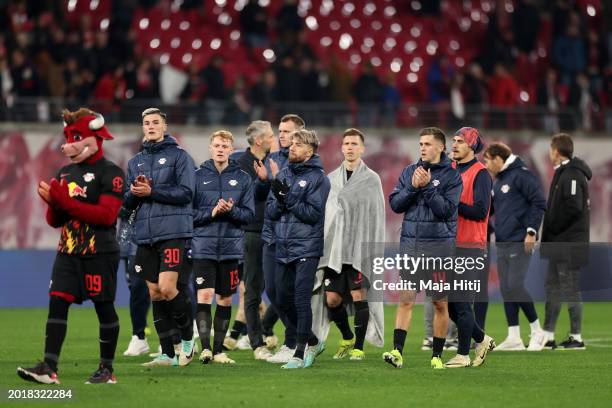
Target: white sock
[[577, 337], [550, 336], [514, 332], [535, 326]]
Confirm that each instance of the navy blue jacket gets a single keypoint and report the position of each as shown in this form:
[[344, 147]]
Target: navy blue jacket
[[299, 223], [261, 189], [281, 158], [518, 200], [166, 213], [221, 238], [430, 213]]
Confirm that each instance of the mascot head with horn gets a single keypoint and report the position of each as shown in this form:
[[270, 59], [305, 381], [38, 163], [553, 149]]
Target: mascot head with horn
[[84, 131]]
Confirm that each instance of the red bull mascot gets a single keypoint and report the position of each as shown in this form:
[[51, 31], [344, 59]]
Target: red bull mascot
[[84, 201]]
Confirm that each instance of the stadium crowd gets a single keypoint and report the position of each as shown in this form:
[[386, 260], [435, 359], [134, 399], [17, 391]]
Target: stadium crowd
[[43, 53]]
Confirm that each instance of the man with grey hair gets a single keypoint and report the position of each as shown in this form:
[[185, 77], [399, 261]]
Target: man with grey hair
[[297, 204], [260, 138]]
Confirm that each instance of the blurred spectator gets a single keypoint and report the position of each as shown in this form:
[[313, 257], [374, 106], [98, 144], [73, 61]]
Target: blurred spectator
[[6, 81], [569, 54], [368, 93], [103, 55], [23, 75], [547, 100], [391, 101], [51, 75], [499, 44], [147, 82], [503, 89], [457, 102], [110, 90], [263, 95], [195, 88], [287, 80], [503, 94], [57, 45], [475, 94], [254, 24], [439, 79], [581, 100], [597, 59], [216, 96], [288, 21], [526, 25], [310, 90], [561, 16], [214, 79], [474, 85], [301, 48], [77, 85], [340, 80], [84, 50], [239, 107], [367, 87]]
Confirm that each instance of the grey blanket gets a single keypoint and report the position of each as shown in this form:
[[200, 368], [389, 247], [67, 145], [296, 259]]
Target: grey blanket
[[354, 216]]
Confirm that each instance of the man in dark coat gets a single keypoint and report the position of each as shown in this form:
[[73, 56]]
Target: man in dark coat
[[564, 239]]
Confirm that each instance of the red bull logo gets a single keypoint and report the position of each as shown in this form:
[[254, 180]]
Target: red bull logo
[[75, 190]]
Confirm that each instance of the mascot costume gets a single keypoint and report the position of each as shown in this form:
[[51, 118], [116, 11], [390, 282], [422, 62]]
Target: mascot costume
[[83, 200]]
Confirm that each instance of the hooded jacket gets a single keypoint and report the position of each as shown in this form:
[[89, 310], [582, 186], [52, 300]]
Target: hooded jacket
[[166, 213], [221, 238], [430, 213], [567, 218], [518, 200], [300, 221], [281, 157]]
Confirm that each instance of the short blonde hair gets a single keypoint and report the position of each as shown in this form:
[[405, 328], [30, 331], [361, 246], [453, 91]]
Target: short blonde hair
[[223, 134], [154, 111], [308, 137]]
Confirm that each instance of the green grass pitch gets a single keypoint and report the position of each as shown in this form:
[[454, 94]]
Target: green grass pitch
[[509, 379]]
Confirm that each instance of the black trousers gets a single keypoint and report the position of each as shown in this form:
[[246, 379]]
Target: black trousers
[[253, 277]]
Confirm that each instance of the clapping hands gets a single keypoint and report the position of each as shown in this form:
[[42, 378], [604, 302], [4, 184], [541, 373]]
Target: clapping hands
[[223, 206], [421, 177]]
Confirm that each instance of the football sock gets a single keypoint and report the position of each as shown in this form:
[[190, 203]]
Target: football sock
[[163, 326], [399, 338], [340, 317], [223, 315], [57, 321], [109, 332], [204, 322], [438, 346], [362, 316], [182, 315]]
